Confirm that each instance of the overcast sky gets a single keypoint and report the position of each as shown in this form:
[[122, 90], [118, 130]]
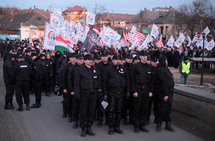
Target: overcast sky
[[116, 6]]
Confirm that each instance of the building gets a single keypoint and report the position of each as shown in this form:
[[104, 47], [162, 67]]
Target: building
[[74, 13], [115, 20], [19, 25]]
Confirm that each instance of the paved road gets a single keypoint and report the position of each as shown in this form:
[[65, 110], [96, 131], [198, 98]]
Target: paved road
[[46, 124]]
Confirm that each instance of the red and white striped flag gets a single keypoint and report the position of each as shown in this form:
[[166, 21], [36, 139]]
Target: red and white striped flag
[[160, 43]]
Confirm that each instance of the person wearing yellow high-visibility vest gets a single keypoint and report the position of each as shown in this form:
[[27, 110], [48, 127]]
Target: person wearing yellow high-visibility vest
[[185, 70]]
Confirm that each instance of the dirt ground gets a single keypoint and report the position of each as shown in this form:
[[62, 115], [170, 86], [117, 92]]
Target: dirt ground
[[194, 80]]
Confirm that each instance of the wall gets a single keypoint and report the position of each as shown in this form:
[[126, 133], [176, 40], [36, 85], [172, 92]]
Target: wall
[[196, 103]]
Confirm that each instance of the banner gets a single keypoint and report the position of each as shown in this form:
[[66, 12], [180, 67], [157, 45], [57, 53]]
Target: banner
[[154, 31], [90, 18], [170, 42], [189, 40], [180, 40], [206, 31], [210, 45], [80, 32], [90, 42], [50, 37], [56, 20], [57, 11]]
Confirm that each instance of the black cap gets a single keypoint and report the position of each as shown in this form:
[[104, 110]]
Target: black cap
[[136, 57], [72, 55], [115, 57], [34, 54], [142, 53], [186, 58], [148, 58], [154, 59], [79, 56], [104, 54], [42, 55], [88, 57], [128, 56], [162, 59]]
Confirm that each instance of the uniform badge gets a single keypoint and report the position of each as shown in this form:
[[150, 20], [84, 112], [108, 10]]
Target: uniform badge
[[94, 71]]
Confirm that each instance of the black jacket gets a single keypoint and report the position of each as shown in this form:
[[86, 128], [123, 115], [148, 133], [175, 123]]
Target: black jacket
[[141, 77], [7, 68], [65, 74], [21, 72], [71, 77], [116, 79], [165, 82], [37, 66], [86, 80]]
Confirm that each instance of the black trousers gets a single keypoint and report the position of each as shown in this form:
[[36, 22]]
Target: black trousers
[[9, 92], [38, 91], [69, 99], [75, 109], [87, 110], [140, 107], [22, 90], [115, 101], [164, 109], [99, 110], [153, 101]]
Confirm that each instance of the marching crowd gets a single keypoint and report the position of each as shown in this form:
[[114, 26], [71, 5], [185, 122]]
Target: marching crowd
[[129, 81]]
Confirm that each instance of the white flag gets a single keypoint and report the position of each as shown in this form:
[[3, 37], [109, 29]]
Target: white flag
[[80, 32], [143, 46], [50, 37], [206, 31], [106, 40], [148, 39], [199, 42], [90, 18], [133, 30], [210, 45], [155, 31], [189, 40], [180, 40], [57, 20], [170, 42]]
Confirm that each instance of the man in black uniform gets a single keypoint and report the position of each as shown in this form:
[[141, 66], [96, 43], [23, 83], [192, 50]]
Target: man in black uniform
[[165, 81], [67, 110], [7, 68], [87, 84], [141, 85], [37, 78], [21, 73], [127, 106], [74, 104], [101, 67], [116, 83]]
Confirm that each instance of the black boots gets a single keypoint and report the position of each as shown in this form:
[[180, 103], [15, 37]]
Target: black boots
[[169, 127], [90, 132], [28, 107], [9, 106], [83, 132], [111, 131], [119, 131], [158, 127], [36, 105], [75, 125], [143, 128], [20, 108]]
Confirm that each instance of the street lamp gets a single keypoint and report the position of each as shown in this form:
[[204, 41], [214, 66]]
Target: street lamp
[[203, 55]]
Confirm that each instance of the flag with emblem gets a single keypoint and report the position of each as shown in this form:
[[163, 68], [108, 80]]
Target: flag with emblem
[[210, 45], [90, 18], [189, 40], [180, 40], [90, 41], [170, 42], [50, 37], [154, 31]]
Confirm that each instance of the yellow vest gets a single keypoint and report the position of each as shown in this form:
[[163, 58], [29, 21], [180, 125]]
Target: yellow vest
[[186, 68]]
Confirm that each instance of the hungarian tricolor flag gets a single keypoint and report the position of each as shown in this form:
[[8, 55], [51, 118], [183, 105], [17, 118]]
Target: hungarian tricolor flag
[[33, 27], [62, 45]]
